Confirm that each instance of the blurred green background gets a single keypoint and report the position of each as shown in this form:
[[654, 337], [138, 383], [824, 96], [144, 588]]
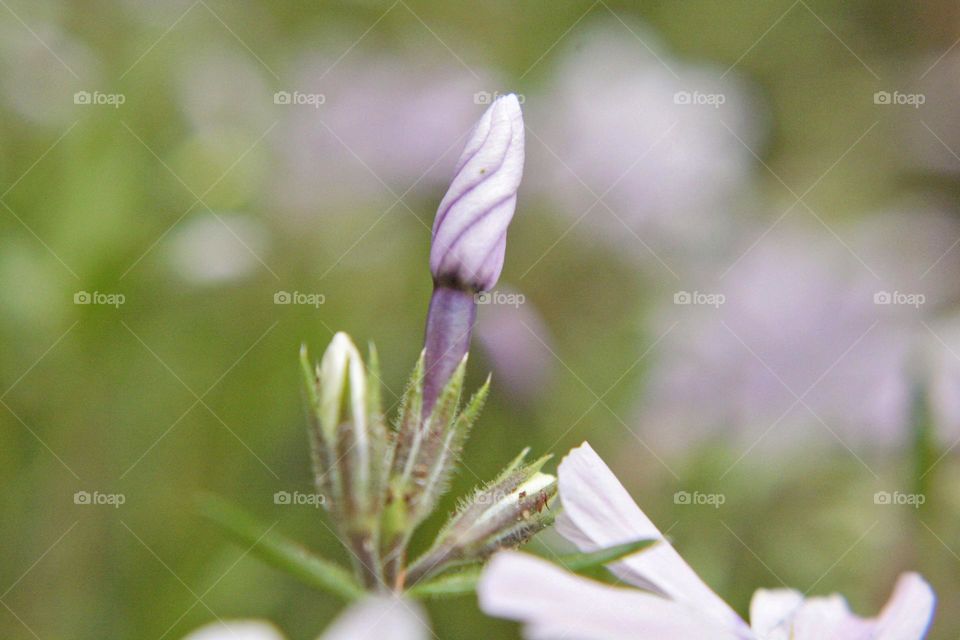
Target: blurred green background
[[201, 196]]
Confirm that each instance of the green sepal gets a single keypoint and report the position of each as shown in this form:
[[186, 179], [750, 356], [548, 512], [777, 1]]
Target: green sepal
[[587, 560], [446, 432], [326, 475], [464, 582]]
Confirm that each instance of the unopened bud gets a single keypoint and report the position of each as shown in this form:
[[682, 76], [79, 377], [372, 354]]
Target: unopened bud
[[506, 513], [470, 230], [349, 439]]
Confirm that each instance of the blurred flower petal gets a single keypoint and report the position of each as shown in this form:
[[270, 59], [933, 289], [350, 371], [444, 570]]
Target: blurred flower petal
[[236, 630], [389, 120], [909, 611], [621, 119], [380, 618], [377, 618], [513, 333], [769, 608], [824, 619], [556, 604], [205, 249]]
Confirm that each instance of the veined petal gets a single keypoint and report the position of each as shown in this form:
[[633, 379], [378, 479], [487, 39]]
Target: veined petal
[[236, 630], [555, 604], [598, 512], [380, 618]]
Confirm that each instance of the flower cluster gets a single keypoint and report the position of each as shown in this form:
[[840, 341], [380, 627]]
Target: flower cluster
[[381, 482], [671, 600]]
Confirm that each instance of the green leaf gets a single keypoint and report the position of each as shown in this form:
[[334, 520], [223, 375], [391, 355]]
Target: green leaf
[[593, 559], [464, 582], [461, 583], [277, 550]]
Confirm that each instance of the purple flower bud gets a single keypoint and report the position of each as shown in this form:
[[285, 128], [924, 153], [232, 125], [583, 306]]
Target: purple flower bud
[[470, 230]]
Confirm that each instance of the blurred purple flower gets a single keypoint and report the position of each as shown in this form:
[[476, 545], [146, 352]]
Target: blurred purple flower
[[672, 601], [511, 332], [804, 346], [658, 138], [392, 118]]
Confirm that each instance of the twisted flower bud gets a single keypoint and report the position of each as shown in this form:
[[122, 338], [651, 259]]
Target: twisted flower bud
[[470, 237], [470, 230]]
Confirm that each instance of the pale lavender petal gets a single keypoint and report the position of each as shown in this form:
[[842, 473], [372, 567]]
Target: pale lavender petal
[[469, 231], [236, 630], [909, 612], [826, 618], [380, 618], [906, 616], [770, 609], [555, 604], [598, 512]]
